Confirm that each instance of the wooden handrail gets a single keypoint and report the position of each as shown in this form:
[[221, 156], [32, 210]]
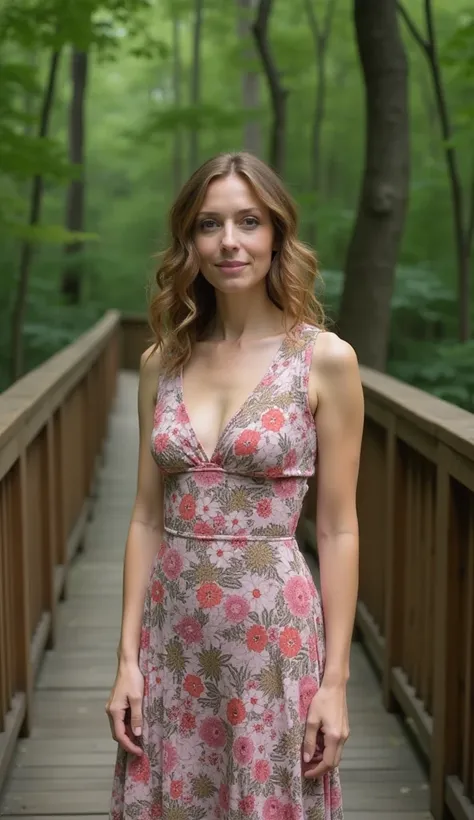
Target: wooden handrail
[[416, 604], [52, 425]]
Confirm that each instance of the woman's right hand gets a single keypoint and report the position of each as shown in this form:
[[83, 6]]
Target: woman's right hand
[[124, 707]]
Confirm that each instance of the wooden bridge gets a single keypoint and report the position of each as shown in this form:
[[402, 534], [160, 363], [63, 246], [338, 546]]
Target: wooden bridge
[[68, 446]]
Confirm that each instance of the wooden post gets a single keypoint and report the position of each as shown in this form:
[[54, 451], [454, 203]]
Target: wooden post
[[5, 605], [50, 528], [443, 728], [395, 565], [468, 717], [24, 672], [61, 534]]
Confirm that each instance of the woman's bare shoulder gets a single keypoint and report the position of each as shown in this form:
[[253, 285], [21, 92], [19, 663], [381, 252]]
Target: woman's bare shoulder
[[335, 371], [331, 354], [150, 360], [150, 369]]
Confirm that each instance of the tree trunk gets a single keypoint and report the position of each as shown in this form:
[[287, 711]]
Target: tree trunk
[[178, 147], [278, 93], [318, 119], [26, 253], [431, 112], [250, 80], [320, 40], [331, 170], [461, 219], [72, 276], [364, 319], [195, 85]]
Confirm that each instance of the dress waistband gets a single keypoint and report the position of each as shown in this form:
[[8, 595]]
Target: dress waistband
[[217, 536]]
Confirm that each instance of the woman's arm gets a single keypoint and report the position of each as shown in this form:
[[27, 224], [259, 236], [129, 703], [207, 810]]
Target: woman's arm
[[144, 537], [146, 525], [339, 425]]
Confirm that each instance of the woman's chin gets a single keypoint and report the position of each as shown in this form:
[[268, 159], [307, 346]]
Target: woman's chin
[[239, 283]]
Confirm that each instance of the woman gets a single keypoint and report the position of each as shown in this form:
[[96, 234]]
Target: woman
[[230, 695]]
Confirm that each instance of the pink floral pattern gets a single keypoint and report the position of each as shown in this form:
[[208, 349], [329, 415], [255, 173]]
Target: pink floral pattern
[[232, 647]]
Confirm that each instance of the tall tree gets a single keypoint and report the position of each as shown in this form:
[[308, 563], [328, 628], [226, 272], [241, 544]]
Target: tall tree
[[462, 200], [195, 84], [72, 276], [278, 92], [320, 32], [36, 200], [364, 318], [250, 79], [178, 147]]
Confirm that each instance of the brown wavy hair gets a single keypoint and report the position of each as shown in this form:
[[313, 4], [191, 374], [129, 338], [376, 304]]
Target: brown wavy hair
[[184, 305]]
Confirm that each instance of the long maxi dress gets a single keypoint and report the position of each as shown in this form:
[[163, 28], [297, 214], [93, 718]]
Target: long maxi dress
[[232, 644]]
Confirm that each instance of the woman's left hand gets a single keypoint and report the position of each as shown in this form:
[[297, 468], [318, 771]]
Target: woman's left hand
[[327, 729]]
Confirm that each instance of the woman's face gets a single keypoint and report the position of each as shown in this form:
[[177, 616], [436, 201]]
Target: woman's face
[[234, 236]]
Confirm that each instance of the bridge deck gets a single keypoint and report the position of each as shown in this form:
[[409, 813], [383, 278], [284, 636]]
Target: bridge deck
[[63, 770]]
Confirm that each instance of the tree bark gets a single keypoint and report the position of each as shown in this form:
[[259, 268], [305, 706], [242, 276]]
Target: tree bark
[[278, 93], [195, 85], [178, 147], [320, 39], [461, 208], [26, 253], [250, 80], [364, 319], [72, 276]]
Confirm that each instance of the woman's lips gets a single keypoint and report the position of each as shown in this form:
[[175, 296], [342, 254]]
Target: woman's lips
[[231, 267]]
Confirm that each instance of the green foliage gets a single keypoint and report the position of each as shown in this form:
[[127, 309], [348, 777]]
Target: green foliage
[[167, 119], [423, 349], [56, 23], [50, 234], [444, 369], [133, 124], [458, 51], [49, 326]]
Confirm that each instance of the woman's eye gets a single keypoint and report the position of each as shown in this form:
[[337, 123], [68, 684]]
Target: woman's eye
[[208, 224], [211, 224]]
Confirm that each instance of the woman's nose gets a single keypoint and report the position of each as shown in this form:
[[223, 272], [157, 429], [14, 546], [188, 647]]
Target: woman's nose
[[229, 238]]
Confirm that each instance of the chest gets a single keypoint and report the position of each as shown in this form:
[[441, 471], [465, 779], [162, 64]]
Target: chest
[[248, 414], [216, 388]]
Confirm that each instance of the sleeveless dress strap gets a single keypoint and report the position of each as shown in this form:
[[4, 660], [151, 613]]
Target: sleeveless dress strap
[[308, 337]]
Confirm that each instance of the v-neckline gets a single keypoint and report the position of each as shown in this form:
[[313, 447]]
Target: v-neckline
[[210, 459]]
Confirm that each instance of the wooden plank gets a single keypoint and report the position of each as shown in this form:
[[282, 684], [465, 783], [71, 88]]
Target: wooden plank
[[12, 725], [6, 670], [21, 585], [443, 720], [54, 802], [34, 397], [467, 711]]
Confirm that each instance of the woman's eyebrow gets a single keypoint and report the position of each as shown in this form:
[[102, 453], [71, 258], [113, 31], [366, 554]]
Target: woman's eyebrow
[[239, 213]]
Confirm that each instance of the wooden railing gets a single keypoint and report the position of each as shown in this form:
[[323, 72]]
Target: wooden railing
[[136, 338], [52, 425], [416, 607]]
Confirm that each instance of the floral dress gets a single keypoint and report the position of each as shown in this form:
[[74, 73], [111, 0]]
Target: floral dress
[[232, 645]]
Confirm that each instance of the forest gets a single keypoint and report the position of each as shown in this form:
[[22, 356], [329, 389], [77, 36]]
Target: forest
[[364, 107]]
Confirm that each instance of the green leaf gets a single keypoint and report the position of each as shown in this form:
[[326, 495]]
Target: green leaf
[[49, 234]]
